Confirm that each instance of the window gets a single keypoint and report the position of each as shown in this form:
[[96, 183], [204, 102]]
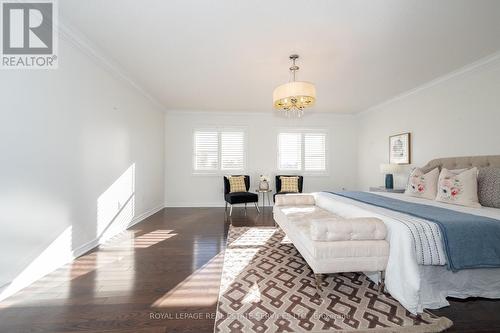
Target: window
[[232, 150], [315, 152], [216, 150], [290, 151], [206, 151], [302, 151]]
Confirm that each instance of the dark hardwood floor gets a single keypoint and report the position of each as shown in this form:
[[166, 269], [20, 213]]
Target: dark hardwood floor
[[162, 275]]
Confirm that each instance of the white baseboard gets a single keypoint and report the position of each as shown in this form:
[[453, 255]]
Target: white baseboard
[[6, 292], [95, 242], [193, 204], [204, 204], [145, 215]]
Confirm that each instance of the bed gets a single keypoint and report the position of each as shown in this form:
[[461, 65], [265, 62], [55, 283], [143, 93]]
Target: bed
[[417, 274]]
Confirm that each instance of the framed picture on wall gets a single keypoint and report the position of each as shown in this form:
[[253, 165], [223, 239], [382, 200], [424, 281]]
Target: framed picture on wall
[[399, 149]]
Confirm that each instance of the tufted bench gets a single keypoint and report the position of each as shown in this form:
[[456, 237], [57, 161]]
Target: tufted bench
[[330, 243]]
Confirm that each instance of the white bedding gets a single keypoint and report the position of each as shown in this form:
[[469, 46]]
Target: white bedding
[[417, 286], [424, 235]]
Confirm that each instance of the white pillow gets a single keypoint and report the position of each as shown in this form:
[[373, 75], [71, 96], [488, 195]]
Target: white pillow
[[422, 185], [458, 189]]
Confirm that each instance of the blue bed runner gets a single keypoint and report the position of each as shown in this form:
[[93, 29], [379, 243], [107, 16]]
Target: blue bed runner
[[470, 241]]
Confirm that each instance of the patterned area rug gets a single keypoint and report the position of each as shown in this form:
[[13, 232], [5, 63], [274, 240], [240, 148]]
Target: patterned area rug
[[268, 287]]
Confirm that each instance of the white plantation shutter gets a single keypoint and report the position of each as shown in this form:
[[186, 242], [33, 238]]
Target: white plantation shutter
[[315, 151], [232, 150], [206, 150], [302, 151], [290, 151]]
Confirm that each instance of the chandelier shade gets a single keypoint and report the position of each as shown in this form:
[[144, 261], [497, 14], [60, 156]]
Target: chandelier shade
[[294, 95]]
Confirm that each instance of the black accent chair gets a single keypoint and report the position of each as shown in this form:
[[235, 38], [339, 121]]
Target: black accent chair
[[239, 197], [278, 184]]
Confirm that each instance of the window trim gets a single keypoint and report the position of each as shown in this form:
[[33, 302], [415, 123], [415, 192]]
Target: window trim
[[304, 131], [219, 130]]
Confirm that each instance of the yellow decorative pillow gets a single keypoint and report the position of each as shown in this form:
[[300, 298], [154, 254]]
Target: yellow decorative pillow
[[289, 184], [237, 184]]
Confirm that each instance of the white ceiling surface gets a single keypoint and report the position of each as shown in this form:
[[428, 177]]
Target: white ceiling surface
[[228, 55]]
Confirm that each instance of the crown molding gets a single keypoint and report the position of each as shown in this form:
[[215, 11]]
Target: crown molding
[[271, 112], [72, 35], [474, 66]]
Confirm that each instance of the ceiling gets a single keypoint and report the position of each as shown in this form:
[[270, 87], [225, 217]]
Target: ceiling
[[228, 55]]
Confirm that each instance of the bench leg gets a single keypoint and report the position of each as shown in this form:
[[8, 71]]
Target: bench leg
[[319, 281], [381, 282]]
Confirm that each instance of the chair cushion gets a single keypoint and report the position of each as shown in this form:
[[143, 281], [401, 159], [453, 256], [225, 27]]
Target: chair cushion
[[241, 197], [237, 184], [289, 184]]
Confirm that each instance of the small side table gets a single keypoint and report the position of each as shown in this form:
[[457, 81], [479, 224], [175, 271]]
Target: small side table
[[388, 190], [264, 194]]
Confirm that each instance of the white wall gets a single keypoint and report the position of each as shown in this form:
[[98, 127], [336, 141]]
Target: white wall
[[457, 115], [183, 188], [66, 136]]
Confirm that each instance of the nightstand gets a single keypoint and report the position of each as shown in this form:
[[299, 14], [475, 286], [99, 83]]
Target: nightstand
[[389, 190]]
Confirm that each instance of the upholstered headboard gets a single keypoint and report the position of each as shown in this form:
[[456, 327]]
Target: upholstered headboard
[[463, 162]]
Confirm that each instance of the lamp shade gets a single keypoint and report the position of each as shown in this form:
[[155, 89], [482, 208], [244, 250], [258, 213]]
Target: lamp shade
[[296, 94], [390, 168]]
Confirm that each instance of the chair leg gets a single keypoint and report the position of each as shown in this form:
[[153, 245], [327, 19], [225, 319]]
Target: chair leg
[[225, 210], [381, 282], [257, 206], [245, 209], [230, 210]]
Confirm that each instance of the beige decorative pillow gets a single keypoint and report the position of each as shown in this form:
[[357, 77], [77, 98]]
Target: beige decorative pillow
[[458, 189], [289, 184], [237, 184], [422, 185]]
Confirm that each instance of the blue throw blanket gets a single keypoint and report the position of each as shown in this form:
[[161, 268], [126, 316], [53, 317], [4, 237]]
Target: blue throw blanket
[[470, 241]]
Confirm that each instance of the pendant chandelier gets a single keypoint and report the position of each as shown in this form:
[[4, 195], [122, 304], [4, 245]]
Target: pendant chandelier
[[293, 97]]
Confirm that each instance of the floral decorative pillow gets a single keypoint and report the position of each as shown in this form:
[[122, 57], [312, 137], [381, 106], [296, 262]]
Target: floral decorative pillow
[[458, 189], [422, 185]]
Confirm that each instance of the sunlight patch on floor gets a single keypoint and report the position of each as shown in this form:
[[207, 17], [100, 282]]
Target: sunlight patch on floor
[[152, 238], [59, 251], [239, 259], [253, 295], [198, 289], [254, 237]]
